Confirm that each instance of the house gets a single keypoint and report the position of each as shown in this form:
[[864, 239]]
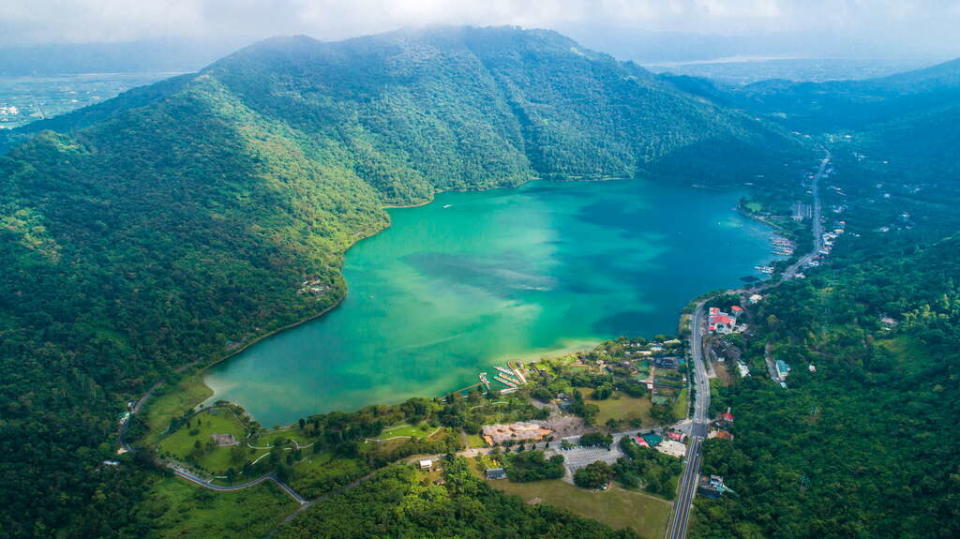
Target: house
[[712, 486], [666, 362], [640, 441], [783, 369], [726, 417], [736, 310], [756, 298], [721, 322], [743, 369], [653, 440], [676, 436], [426, 464], [722, 434], [496, 473]]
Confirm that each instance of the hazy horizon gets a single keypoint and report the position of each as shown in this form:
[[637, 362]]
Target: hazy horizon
[[641, 30]]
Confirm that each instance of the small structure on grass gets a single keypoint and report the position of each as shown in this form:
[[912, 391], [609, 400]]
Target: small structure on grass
[[426, 464], [496, 473], [224, 440]]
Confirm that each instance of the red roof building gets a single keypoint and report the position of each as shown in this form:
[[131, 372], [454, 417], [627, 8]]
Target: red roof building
[[640, 441], [722, 319]]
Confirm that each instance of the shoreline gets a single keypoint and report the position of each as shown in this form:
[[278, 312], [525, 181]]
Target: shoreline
[[200, 368]]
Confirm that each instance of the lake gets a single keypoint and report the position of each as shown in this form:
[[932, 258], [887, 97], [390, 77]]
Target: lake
[[474, 279]]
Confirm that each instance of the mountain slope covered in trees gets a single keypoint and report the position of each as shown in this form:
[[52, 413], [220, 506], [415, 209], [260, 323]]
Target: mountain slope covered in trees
[[177, 222]]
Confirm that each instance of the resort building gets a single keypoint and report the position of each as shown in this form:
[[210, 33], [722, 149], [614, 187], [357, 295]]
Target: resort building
[[519, 431]]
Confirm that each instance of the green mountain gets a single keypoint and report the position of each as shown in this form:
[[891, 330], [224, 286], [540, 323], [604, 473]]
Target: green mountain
[[177, 222], [854, 105]]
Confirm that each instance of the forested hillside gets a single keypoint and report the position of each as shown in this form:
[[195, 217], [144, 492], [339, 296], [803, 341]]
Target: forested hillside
[[399, 502], [864, 446], [176, 223]]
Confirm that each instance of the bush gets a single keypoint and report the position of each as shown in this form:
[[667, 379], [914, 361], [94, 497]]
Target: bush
[[532, 466], [596, 439]]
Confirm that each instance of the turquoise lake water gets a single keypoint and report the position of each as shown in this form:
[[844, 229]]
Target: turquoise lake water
[[474, 279]]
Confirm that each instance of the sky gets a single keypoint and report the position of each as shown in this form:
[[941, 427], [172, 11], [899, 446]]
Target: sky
[[864, 27]]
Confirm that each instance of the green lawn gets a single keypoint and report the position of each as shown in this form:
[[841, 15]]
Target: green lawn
[[682, 405], [618, 508], [411, 431], [179, 509], [181, 443], [270, 437], [173, 402], [474, 440], [623, 407]]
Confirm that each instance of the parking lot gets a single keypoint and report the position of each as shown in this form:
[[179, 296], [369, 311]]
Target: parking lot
[[578, 457]]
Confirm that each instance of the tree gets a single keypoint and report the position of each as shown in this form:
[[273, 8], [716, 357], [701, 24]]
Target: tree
[[594, 475]]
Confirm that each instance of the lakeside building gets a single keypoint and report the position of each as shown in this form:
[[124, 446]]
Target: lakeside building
[[721, 322], [519, 431]]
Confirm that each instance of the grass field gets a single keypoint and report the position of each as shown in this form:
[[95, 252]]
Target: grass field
[[622, 407], [411, 431], [179, 509], [181, 443], [618, 508], [173, 402], [474, 440], [723, 372], [682, 405], [271, 437]]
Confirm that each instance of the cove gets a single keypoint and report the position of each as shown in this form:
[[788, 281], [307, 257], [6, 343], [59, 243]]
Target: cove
[[474, 279]]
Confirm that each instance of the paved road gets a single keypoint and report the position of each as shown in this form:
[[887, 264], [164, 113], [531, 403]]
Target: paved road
[[180, 471], [197, 480], [680, 518], [817, 228], [698, 430]]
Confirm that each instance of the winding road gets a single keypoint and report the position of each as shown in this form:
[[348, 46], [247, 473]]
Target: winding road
[[680, 518]]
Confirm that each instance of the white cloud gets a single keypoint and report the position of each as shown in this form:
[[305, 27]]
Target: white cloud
[[118, 20]]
